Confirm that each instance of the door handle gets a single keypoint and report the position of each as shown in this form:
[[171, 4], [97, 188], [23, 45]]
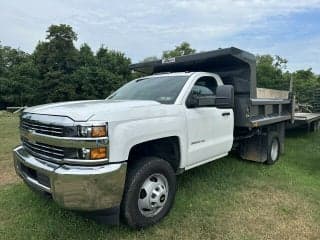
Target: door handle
[[225, 114]]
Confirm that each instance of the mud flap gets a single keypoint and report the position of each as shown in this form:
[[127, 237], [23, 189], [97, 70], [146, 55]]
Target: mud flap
[[255, 148]]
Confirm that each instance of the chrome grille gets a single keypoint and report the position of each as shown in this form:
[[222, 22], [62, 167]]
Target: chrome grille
[[43, 150], [42, 128]]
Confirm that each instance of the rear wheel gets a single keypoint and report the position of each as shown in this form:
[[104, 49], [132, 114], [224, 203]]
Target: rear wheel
[[149, 192], [273, 148]]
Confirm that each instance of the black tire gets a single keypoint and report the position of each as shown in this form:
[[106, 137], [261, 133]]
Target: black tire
[[273, 155], [138, 173]]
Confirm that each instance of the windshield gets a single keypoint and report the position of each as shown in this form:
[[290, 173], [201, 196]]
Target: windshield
[[163, 89]]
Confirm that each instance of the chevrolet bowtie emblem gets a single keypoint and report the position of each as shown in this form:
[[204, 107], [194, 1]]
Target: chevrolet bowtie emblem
[[31, 131], [29, 135]]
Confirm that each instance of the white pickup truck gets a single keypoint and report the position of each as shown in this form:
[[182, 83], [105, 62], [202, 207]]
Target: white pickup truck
[[122, 154]]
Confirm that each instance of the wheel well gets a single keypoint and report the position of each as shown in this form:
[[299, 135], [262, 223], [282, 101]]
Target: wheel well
[[167, 148]]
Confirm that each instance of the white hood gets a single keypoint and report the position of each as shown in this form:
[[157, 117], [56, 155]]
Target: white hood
[[105, 110]]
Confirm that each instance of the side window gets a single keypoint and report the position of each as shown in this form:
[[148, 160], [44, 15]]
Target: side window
[[205, 86]]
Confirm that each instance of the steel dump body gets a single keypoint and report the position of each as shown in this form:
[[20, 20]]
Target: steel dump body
[[235, 67]]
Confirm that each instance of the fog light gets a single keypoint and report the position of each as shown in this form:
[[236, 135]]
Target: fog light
[[98, 153]]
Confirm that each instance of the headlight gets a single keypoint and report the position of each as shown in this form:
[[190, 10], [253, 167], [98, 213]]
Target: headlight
[[93, 131]]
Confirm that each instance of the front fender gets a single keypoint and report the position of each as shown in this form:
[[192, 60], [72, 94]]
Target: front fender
[[125, 135]]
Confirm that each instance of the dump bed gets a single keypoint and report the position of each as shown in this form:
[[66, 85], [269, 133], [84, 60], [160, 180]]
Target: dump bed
[[235, 67]]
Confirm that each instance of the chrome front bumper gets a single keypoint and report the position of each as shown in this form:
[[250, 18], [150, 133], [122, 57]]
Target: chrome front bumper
[[86, 188]]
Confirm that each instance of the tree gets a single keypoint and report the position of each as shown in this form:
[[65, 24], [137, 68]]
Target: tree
[[67, 73], [270, 72], [61, 34], [18, 75], [304, 84], [112, 71], [84, 76], [23, 78], [86, 56], [58, 71], [56, 59], [150, 59], [58, 53], [183, 49]]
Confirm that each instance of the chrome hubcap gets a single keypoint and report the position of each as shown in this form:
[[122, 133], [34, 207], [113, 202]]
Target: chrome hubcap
[[153, 195], [274, 150]]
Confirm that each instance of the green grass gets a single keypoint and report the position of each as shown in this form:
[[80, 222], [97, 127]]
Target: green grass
[[225, 199], [9, 137]]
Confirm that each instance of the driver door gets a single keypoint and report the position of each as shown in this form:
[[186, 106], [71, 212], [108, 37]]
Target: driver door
[[210, 129]]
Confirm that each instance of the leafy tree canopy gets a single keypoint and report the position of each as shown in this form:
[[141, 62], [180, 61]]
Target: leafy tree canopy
[[183, 49], [61, 32], [270, 72], [150, 59], [58, 71]]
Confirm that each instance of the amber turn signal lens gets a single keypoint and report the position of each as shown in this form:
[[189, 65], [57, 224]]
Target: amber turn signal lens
[[98, 153], [99, 131]]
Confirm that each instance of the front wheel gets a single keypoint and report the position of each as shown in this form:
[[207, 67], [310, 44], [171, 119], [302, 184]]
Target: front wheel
[[149, 192]]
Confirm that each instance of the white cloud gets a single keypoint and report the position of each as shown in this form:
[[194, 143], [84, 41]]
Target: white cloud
[[301, 53]]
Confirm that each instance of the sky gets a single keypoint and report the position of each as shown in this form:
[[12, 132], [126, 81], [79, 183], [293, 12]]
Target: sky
[[144, 28]]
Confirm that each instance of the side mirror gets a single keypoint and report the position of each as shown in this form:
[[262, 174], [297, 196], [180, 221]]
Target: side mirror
[[224, 96]]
